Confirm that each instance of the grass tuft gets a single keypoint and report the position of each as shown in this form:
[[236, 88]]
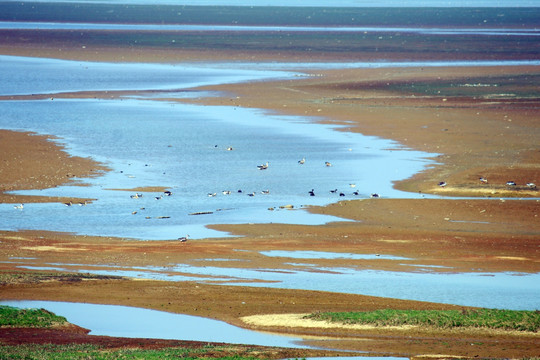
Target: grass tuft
[[35, 318]]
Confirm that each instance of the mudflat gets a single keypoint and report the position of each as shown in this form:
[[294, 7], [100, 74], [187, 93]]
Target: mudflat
[[480, 121]]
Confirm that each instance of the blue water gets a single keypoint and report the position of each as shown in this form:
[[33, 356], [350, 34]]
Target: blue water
[[517, 291], [184, 148], [25, 76], [124, 321]]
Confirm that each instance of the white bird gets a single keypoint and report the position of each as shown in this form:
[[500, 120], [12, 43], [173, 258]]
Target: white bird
[[211, 194], [183, 238], [20, 206], [301, 162], [226, 192], [511, 183], [327, 163], [265, 192], [251, 194], [531, 185], [352, 185], [442, 184], [483, 180], [263, 166], [229, 148]]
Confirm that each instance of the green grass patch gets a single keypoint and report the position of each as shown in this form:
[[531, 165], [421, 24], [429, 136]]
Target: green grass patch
[[36, 318], [444, 319], [87, 351]]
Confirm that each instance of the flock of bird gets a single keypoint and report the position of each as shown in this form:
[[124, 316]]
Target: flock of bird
[[483, 180], [264, 166]]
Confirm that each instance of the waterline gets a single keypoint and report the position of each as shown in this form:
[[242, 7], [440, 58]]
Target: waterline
[[125, 321], [515, 291]]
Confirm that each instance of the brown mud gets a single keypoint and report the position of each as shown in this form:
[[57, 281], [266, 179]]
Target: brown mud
[[479, 121]]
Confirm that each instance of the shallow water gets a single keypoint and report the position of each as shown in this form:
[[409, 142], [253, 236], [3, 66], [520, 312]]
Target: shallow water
[[184, 148], [25, 75], [517, 291], [124, 321]]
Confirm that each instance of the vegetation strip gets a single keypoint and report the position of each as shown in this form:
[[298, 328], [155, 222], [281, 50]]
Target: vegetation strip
[[89, 351], [21, 277], [38, 318], [481, 318]]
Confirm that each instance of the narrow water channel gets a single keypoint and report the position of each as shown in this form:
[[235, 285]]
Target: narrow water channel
[[132, 322]]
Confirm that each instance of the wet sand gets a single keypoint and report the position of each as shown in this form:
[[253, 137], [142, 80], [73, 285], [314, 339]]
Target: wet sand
[[476, 134], [30, 161]]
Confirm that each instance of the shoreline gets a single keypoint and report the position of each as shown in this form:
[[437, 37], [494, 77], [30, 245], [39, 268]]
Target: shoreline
[[234, 304], [322, 98], [475, 134], [321, 93], [33, 161]]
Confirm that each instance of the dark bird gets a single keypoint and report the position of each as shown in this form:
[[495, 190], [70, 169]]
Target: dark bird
[[263, 166]]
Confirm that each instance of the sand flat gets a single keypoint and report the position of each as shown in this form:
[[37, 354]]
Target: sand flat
[[479, 131]]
